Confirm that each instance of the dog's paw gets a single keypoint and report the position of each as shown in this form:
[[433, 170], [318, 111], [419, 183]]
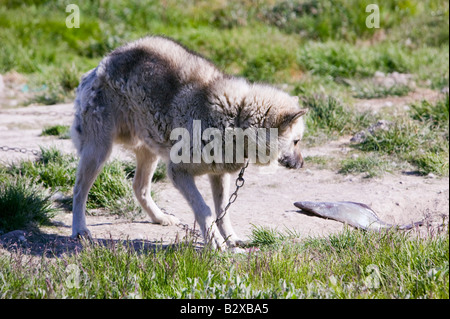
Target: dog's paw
[[216, 243], [237, 242], [81, 234], [168, 220]]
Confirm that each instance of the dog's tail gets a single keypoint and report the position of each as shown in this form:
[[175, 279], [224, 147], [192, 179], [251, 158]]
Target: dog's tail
[[84, 95]]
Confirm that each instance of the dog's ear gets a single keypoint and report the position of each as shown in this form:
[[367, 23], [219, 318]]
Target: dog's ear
[[289, 118]]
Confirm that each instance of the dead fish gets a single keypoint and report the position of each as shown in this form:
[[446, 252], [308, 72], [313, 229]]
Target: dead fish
[[354, 214]]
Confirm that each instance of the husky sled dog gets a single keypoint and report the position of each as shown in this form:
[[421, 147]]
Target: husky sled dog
[[142, 91]]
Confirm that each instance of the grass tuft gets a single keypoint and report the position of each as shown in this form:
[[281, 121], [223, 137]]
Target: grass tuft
[[371, 165], [60, 131], [437, 113], [327, 116], [23, 204]]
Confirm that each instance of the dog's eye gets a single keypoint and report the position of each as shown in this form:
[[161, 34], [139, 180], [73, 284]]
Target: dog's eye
[[296, 142]]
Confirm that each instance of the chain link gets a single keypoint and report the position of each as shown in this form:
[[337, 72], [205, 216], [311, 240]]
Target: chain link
[[51, 113], [22, 150], [240, 181]]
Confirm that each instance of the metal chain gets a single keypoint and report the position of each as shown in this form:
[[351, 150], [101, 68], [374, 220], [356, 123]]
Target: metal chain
[[51, 113], [240, 181], [22, 150]]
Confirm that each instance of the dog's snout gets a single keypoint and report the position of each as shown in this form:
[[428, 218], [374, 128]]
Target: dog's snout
[[293, 162]]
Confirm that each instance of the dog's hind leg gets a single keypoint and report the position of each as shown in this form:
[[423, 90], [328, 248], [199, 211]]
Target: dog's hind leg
[[92, 158], [220, 185], [92, 134], [146, 166]]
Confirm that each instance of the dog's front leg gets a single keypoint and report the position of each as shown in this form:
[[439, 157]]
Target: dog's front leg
[[220, 185], [185, 183]]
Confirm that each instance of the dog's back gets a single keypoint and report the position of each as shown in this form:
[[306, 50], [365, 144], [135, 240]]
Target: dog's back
[[135, 84], [159, 67]]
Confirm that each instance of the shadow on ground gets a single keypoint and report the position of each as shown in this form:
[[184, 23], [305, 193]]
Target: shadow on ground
[[54, 246]]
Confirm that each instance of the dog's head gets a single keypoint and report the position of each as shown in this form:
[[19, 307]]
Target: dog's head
[[276, 111], [290, 133]]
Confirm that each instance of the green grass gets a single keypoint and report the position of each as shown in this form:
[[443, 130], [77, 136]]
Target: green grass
[[61, 131], [411, 142], [320, 162], [421, 139], [53, 169], [112, 190], [417, 140], [431, 162], [159, 174], [328, 117], [23, 204], [437, 114], [370, 165], [351, 264], [56, 171], [267, 237]]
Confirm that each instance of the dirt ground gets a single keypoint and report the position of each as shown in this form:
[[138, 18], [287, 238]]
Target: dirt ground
[[267, 197]]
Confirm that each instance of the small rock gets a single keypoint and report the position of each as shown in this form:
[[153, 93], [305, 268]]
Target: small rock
[[58, 196], [431, 175], [401, 78], [359, 137], [389, 82], [380, 125], [362, 135], [379, 74]]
